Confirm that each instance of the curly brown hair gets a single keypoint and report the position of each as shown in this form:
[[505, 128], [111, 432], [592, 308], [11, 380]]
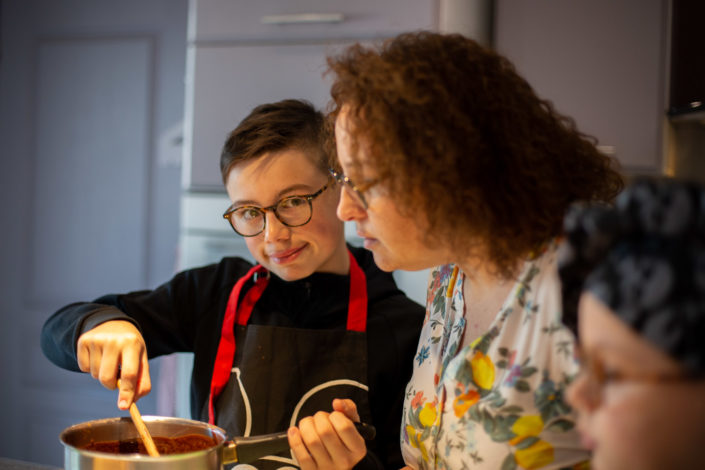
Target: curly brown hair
[[456, 134]]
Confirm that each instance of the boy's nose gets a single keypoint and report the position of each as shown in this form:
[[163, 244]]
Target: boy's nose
[[274, 229]]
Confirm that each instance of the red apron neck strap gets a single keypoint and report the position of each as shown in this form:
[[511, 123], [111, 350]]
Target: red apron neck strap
[[260, 277], [226, 348], [357, 304]]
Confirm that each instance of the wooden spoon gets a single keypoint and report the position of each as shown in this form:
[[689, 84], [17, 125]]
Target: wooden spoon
[[142, 429]]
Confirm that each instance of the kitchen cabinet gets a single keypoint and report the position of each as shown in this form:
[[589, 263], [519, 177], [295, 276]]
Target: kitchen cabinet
[[599, 61], [88, 90], [244, 53], [290, 20], [229, 81]]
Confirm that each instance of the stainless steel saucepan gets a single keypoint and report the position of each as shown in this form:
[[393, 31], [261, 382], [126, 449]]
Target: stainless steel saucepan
[[224, 451]]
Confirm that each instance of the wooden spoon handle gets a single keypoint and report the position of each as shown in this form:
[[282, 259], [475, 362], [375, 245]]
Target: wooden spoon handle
[[142, 429], [144, 432]]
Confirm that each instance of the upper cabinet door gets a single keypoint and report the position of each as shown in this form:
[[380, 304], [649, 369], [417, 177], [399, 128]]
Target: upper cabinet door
[[235, 20], [603, 63], [243, 53], [229, 81]]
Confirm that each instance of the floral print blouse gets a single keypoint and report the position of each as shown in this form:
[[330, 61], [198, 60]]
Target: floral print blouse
[[497, 403]]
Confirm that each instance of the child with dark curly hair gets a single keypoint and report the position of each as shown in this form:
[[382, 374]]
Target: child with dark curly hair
[[638, 272]]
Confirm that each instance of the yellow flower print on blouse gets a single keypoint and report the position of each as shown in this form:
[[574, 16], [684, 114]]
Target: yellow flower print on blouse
[[415, 438], [428, 415], [530, 425], [537, 455], [465, 400], [498, 402], [423, 417], [532, 452], [482, 370]]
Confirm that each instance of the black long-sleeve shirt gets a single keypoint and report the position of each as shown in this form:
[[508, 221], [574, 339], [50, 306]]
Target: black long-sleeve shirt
[[186, 313]]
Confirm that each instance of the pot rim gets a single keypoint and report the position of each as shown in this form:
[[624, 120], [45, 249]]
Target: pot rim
[[217, 433]]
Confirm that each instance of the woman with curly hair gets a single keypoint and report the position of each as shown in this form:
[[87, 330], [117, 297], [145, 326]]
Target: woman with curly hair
[[450, 160]]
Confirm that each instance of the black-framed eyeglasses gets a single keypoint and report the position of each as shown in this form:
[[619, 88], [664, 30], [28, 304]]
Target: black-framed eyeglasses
[[597, 376], [292, 211], [355, 191]]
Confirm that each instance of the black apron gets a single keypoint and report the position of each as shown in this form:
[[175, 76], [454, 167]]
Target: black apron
[[278, 375]]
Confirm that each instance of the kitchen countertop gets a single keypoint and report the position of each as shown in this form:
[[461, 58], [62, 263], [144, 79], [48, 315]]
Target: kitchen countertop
[[10, 464]]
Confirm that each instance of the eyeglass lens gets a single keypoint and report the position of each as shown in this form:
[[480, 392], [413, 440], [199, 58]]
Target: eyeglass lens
[[350, 187], [597, 376], [291, 211]]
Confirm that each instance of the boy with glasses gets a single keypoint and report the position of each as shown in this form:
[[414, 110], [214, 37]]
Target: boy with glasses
[[274, 344]]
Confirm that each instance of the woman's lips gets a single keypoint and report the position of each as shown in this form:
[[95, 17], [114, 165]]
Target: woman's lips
[[286, 256], [364, 236], [367, 240], [369, 243]]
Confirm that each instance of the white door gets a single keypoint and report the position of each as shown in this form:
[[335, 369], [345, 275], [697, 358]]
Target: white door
[[91, 98]]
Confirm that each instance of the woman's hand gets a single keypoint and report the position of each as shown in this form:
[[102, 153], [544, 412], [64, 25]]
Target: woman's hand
[[112, 350], [328, 440]]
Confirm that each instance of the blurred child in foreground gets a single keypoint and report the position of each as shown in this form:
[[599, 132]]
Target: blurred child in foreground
[[637, 272]]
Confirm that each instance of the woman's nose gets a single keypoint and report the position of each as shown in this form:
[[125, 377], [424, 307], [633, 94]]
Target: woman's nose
[[349, 208]]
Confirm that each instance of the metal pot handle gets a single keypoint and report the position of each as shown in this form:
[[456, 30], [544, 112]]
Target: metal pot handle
[[249, 449]]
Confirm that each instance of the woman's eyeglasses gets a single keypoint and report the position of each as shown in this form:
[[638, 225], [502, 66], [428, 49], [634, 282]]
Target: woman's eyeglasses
[[356, 192]]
